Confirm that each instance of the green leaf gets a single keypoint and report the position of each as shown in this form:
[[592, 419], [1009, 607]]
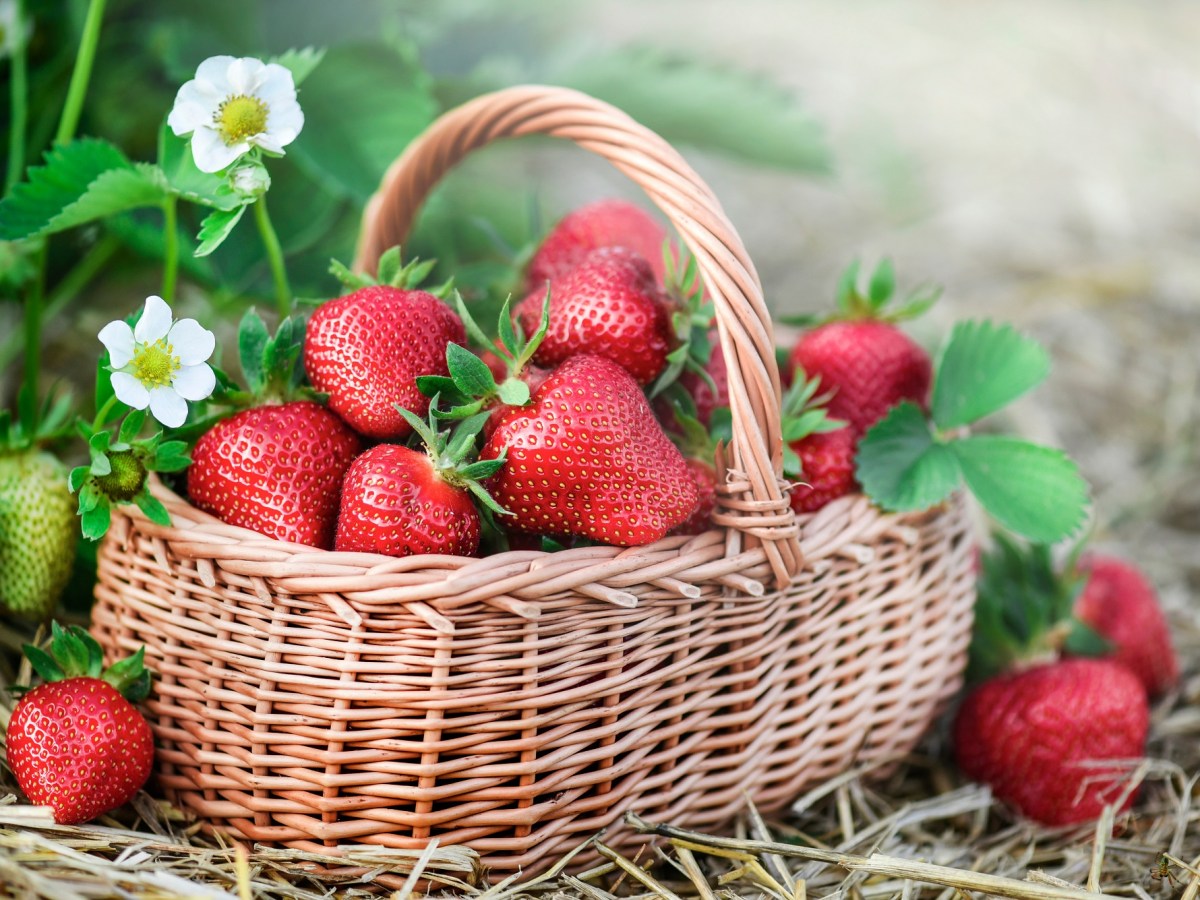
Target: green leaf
[[126, 672], [81, 181], [470, 373], [1032, 490], [95, 656], [443, 385], [883, 283], [300, 62], [707, 105], [481, 469], [95, 521], [131, 426], [253, 337], [387, 270], [901, 467], [981, 368], [152, 507], [217, 226], [1083, 640], [43, 663], [68, 651], [78, 476], [513, 392], [362, 107]]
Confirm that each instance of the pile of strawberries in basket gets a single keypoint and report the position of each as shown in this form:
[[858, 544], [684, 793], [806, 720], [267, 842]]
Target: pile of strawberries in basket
[[591, 416]]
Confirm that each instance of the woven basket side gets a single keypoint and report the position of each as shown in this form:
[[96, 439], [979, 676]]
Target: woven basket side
[[753, 503]]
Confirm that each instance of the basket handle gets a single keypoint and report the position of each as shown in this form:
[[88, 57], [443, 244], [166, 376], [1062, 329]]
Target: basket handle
[[752, 503]]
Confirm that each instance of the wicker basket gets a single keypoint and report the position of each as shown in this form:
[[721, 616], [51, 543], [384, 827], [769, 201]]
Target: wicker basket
[[520, 702]]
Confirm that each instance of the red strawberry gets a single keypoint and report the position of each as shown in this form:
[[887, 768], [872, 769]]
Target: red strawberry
[[871, 366], [587, 457], [609, 305], [1121, 604], [705, 477], [275, 469], [860, 354], [826, 469], [605, 223], [1029, 734], [367, 348], [75, 743]]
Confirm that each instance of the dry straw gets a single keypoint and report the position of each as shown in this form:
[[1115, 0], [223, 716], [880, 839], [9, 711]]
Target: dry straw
[[520, 702]]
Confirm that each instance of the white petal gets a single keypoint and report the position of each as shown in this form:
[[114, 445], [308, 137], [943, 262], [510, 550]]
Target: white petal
[[211, 152], [168, 407], [215, 70], [192, 342], [194, 382], [117, 338], [195, 105], [155, 321], [285, 121], [130, 391], [268, 143], [245, 75], [277, 85]]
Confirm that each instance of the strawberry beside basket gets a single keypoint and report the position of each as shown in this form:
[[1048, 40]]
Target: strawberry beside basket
[[520, 702]]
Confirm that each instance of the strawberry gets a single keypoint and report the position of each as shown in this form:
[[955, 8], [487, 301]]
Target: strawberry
[[609, 305], [400, 502], [820, 449], [366, 349], [869, 363], [1030, 734], [826, 469], [705, 478], [276, 467], [604, 223], [76, 743], [1121, 604], [38, 531], [587, 457]]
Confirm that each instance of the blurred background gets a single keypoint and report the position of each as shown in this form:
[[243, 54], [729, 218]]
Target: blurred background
[[1039, 159]]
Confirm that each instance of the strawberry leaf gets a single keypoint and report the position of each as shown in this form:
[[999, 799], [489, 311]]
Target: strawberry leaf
[[152, 507], [982, 368], [217, 226], [43, 663], [1032, 490], [882, 284], [68, 651], [513, 392], [901, 465], [94, 522], [469, 373], [252, 342], [300, 62]]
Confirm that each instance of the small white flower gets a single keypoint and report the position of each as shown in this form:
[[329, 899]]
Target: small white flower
[[160, 363], [13, 31], [235, 104]]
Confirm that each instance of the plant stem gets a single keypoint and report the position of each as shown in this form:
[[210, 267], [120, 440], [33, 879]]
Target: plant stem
[[283, 293], [18, 105], [65, 291], [102, 414], [170, 248], [77, 91]]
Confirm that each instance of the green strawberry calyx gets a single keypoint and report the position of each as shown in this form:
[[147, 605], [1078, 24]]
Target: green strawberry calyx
[[804, 413], [1024, 611], [118, 472], [691, 322], [391, 271], [470, 387], [877, 302], [452, 451], [73, 653]]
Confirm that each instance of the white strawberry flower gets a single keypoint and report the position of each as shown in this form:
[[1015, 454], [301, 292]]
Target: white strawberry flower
[[234, 104], [160, 363], [13, 30]]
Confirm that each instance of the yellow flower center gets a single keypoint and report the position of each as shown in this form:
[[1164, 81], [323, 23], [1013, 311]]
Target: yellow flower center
[[241, 117], [154, 364]]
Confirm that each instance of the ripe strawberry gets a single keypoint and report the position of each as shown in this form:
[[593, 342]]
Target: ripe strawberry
[[705, 477], [402, 502], [38, 530], [826, 469], [587, 457], [605, 223], [76, 743], [869, 363], [367, 348], [1029, 734], [609, 305], [1121, 604], [277, 467]]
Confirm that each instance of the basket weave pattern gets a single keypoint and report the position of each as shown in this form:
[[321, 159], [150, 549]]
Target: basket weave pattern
[[522, 701]]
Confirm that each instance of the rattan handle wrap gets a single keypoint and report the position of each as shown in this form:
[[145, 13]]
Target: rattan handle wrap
[[752, 503]]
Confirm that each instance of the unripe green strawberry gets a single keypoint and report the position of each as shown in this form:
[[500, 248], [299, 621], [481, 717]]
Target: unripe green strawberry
[[37, 532]]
